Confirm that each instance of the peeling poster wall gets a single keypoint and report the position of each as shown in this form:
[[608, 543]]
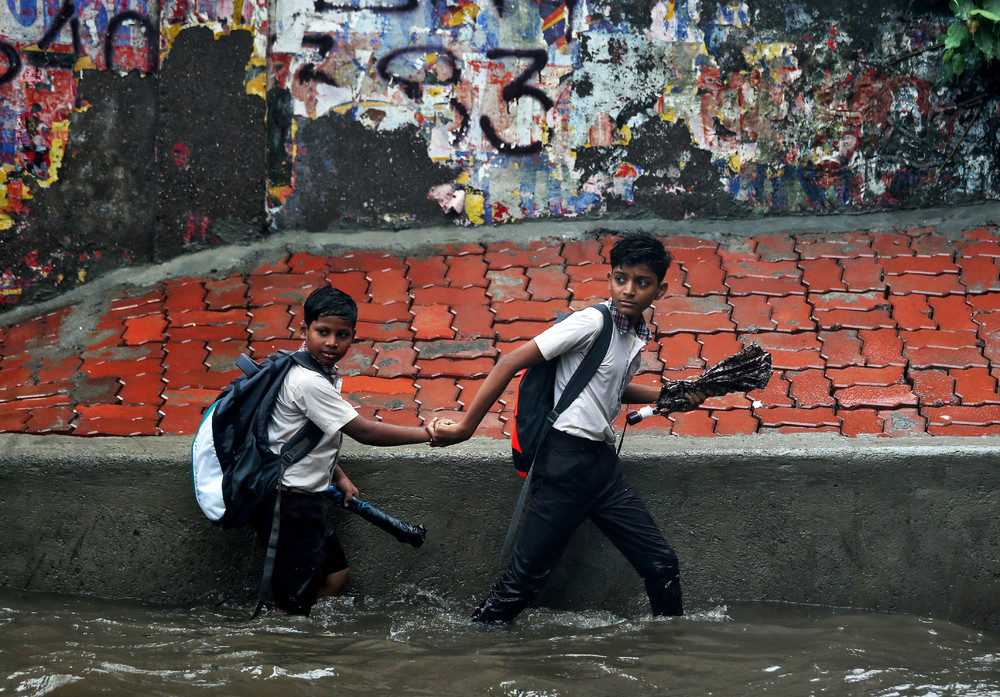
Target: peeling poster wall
[[409, 112]]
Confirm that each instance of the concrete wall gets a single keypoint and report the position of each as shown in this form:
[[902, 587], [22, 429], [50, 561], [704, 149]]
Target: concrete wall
[[133, 131], [901, 525]]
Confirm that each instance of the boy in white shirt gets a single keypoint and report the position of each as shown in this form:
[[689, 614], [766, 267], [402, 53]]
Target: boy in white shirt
[[310, 562], [576, 474]]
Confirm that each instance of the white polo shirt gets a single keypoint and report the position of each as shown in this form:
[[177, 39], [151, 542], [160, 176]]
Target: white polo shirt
[[593, 412], [308, 396]]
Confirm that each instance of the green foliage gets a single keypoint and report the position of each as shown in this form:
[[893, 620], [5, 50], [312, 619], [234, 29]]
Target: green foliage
[[972, 40]]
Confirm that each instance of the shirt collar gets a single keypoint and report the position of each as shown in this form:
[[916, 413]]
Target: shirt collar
[[621, 323], [330, 370]]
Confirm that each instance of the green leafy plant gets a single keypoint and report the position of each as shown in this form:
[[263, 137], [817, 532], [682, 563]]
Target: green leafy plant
[[972, 40]]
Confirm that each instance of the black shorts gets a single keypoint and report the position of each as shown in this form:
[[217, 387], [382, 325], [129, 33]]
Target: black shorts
[[308, 548]]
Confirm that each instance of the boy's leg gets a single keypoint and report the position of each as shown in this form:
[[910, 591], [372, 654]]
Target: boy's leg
[[297, 575], [624, 519], [335, 568], [559, 504]]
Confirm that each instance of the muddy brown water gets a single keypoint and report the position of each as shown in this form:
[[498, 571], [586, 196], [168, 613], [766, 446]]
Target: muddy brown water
[[415, 643]]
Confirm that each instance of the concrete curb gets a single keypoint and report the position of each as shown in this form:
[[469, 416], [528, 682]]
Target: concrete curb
[[903, 524]]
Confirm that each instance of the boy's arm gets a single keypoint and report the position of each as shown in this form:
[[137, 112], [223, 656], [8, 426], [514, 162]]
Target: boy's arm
[[370, 432], [496, 382], [648, 394]]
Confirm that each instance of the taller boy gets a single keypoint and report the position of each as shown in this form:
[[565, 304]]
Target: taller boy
[[576, 474]]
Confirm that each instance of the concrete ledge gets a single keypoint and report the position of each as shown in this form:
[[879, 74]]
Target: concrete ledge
[[904, 525]]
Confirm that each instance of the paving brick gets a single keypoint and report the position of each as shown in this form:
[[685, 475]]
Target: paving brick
[[472, 322], [384, 312], [775, 247], [199, 397], [987, 302], [952, 314], [963, 430], [862, 275], [376, 385], [141, 389], [979, 274], [692, 423], [810, 388], [41, 402], [791, 314], [137, 366], [13, 421], [197, 380], [934, 357], [680, 351], [283, 288], [384, 331], [841, 348], [183, 295], [536, 311], [851, 319], [838, 245], [547, 283], [890, 243], [512, 331], [785, 416], [115, 427], [859, 422], [427, 271], [946, 284], [222, 355], [118, 412], [903, 422], [504, 255], [450, 296], [822, 275], [967, 415], [56, 419], [56, 369], [882, 396], [846, 377], [588, 291], [468, 389], [980, 248], [735, 422], [277, 264], [789, 351], [438, 393], [588, 272], [927, 266], [929, 245], [748, 267], [715, 347], [196, 318], [263, 349], [432, 322], [388, 285], [354, 283], [145, 329], [931, 338], [467, 271], [195, 332], [359, 360], [975, 386], [765, 286], [577, 252], [395, 359], [303, 262], [751, 313], [507, 285], [180, 421], [881, 347], [446, 367], [272, 322], [694, 324], [703, 273], [226, 293], [912, 312]]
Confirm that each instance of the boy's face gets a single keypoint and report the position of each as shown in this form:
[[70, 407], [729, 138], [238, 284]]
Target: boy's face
[[328, 338], [634, 288]]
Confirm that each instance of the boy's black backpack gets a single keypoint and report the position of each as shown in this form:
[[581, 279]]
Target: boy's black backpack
[[232, 467], [535, 410]]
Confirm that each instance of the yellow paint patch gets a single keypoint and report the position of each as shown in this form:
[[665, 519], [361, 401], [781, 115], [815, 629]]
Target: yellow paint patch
[[60, 136], [474, 209], [6, 222], [81, 276]]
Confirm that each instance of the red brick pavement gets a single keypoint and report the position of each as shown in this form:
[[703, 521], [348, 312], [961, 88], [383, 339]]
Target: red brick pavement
[[884, 332]]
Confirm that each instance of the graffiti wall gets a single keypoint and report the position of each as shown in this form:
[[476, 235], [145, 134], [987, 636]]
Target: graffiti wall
[[131, 132]]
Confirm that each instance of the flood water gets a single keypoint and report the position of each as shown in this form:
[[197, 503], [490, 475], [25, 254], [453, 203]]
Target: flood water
[[419, 644]]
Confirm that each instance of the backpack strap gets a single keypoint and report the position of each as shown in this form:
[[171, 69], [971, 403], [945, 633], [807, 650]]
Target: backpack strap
[[581, 376], [297, 447]]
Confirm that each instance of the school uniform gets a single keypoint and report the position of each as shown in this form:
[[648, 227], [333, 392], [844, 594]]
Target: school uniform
[[308, 547], [577, 475]]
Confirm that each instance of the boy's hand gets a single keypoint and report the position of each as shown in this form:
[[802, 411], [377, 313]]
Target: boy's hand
[[448, 432], [694, 398], [345, 485]]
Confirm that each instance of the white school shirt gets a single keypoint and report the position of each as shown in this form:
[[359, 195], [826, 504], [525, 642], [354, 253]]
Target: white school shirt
[[305, 396], [593, 412]]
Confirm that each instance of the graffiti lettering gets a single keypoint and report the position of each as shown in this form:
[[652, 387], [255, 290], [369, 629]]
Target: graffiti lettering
[[512, 92], [152, 38], [13, 62], [67, 13], [413, 88], [407, 6]]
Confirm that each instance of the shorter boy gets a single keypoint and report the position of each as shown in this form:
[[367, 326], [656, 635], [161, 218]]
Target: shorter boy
[[576, 474], [310, 562]]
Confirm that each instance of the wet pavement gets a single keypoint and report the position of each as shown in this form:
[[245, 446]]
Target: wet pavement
[[890, 332]]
